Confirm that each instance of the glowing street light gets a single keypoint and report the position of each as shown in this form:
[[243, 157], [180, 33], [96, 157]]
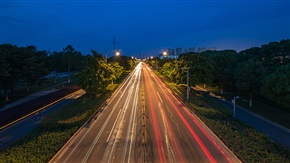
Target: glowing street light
[[164, 52], [117, 52]]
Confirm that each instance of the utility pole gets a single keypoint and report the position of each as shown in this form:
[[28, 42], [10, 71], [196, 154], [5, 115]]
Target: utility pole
[[234, 102], [188, 87], [114, 43], [106, 57]]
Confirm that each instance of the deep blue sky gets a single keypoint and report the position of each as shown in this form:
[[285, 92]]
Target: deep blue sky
[[147, 26]]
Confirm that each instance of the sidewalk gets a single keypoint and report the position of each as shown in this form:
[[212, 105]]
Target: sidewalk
[[32, 96], [276, 132]]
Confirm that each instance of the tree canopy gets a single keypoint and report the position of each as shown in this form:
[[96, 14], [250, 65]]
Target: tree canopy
[[262, 71]]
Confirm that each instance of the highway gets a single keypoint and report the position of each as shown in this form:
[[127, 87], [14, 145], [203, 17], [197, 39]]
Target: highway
[[144, 122]]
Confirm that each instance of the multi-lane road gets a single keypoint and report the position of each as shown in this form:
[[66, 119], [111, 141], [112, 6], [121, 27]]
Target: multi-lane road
[[144, 122]]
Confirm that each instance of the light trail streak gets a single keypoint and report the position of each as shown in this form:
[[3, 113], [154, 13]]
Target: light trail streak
[[169, 136], [89, 130], [101, 131], [120, 122], [135, 110], [114, 125], [156, 129], [200, 143], [159, 97], [197, 124], [168, 131], [207, 135], [173, 139]]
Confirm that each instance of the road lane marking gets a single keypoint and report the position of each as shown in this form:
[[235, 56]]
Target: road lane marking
[[111, 156], [65, 148], [158, 139], [103, 127], [159, 97], [114, 125], [106, 122], [134, 118], [193, 133]]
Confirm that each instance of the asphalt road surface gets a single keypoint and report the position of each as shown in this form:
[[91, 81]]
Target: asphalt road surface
[[23, 127], [144, 122]]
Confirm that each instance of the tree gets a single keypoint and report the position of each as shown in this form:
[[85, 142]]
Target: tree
[[11, 54], [122, 60], [224, 64], [117, 70], [249, 77], [34, 65], [201, 68], [68, 51], [97, 74], [56, 63], [132, 63], [21, 65], [166, 69], [276, 86], [4, 71]]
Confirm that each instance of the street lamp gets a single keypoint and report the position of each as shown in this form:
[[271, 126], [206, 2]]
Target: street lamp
[[234, 102], [164, 52], [117, 52]]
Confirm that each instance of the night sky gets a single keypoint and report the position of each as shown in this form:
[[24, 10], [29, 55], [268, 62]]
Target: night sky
[[145, 27]]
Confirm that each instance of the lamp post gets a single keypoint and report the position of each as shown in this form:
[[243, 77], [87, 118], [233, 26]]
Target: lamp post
[[234, 102], [188, 88], [106, 57], [187, 80], [117, 52], [164, 53]]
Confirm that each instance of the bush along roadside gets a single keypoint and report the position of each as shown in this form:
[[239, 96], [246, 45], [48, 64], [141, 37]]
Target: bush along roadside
[[247, 143]]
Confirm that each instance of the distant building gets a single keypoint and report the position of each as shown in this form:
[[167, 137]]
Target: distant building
[[212, 48], [178, 51], [192, 50], [201, 49], [169, 54]]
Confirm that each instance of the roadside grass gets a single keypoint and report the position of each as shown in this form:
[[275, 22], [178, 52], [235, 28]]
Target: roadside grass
[[55, 130], [247, 143], [259, 107]]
